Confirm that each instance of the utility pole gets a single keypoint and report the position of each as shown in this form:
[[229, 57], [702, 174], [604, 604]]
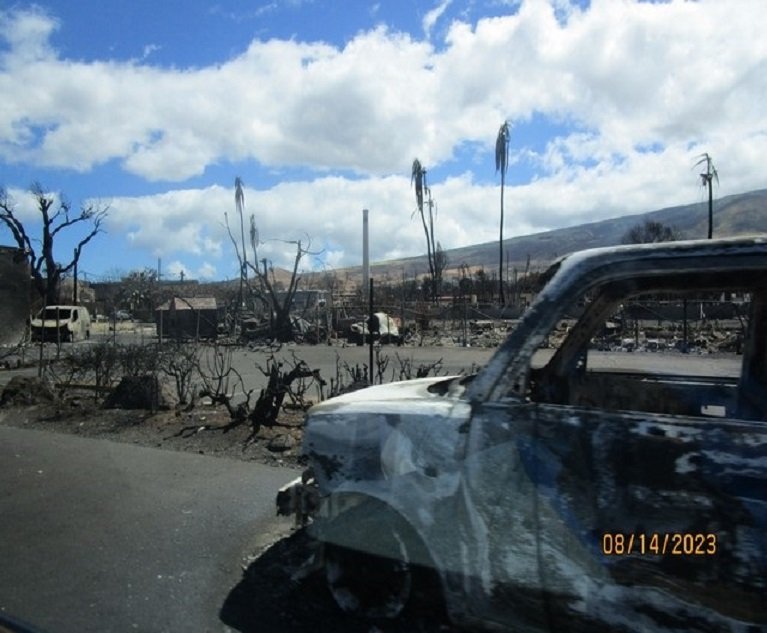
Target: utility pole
[[74, 290], [402, 320], [371, 377], [365, 255]]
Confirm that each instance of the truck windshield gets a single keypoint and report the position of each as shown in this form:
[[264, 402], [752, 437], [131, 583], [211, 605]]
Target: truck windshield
[[63, 314]]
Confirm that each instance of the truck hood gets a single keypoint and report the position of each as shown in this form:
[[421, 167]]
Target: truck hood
[[359, 440], [48, 322], [396, 394]]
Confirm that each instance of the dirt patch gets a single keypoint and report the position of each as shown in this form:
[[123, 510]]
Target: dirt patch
[[200, 430]]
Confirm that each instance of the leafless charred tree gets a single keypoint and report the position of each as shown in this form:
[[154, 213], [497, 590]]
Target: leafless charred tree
[[181, 363], [279, 385], [220, 382], [46, 271], [406, 371], [282, 324], [381, 363], [357, 378], [649, 232]]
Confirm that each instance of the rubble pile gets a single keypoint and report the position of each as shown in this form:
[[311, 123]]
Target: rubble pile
[[703, 337]]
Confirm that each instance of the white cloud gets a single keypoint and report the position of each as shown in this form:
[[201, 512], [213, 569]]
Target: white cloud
[[188, 221], [149, 49], [206, 272], [24, 205], [333, 259], [634, 73], [177, 270], [211, 246], [27, 34], [325, 213], [430, 19], [681, 77]]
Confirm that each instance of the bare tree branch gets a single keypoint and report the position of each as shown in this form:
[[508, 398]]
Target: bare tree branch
[[46, 272]]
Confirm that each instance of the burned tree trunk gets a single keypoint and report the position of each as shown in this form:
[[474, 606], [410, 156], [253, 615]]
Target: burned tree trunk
[[269, 403]]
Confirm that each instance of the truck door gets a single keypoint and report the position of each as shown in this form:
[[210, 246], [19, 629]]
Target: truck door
[[586, 520]]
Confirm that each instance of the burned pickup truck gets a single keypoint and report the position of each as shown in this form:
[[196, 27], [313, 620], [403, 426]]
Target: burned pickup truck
[[570, 489]]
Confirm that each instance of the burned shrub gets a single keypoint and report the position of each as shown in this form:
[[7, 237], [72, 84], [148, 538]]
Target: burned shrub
[[26, 390], [181, 362], [140, 392], [98, 364], [140, 360]]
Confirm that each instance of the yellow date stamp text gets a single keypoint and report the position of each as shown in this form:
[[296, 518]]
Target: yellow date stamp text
[[659, 543]]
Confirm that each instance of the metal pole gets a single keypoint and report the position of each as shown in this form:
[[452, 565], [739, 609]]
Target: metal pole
[[710, 209], [402, 321], [465, 330], [74, 292], [365, 254], [42, 335], [370, 332], [58, 334]]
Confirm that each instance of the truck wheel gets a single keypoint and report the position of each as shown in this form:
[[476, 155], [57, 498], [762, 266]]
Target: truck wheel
[[366, 584], [377, 567]]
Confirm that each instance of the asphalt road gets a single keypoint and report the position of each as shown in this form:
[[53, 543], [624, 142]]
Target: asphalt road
[[249, 363], [101, 536], [454, 360]]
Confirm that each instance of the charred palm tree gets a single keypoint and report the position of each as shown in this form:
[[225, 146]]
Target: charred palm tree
[[501, 165], [706, 177], [239, 203], [418, 178]]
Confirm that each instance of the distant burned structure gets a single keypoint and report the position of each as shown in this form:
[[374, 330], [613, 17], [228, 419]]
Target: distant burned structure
[[14, 295], [187, 317]]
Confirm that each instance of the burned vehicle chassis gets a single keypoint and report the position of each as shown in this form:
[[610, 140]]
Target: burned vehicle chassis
[[559, 497]]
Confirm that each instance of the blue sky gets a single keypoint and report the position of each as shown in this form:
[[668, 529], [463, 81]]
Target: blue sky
[[152, 108]]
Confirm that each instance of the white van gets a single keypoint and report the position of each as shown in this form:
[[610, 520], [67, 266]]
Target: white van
[[73, 323]]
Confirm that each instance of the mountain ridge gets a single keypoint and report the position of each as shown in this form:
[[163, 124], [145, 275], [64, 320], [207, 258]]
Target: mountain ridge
[[737, 214]]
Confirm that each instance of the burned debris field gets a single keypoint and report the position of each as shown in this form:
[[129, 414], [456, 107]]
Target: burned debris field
[[404, 447]]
